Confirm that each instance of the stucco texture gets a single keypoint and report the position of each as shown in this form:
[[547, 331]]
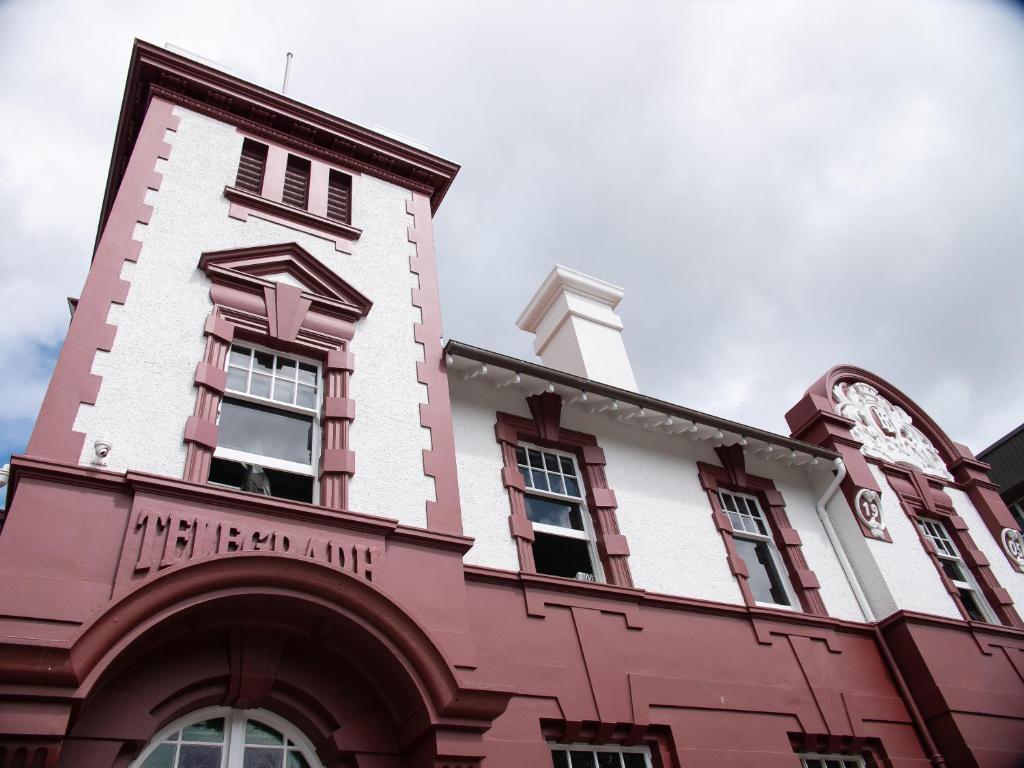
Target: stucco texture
[[147, 391]]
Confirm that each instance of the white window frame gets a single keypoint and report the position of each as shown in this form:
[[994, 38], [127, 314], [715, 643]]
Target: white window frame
[[616, 748], [587, 534], [269, 462], [780, 566], [946, 549], [234, 734], [845, 761]]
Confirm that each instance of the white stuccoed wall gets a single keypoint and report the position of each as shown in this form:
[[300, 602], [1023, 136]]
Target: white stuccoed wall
[[1008, 578], [147, 392], [910, 575], [674, 546]]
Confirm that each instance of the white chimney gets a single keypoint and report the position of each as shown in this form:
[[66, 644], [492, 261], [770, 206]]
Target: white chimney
[[577, 330]]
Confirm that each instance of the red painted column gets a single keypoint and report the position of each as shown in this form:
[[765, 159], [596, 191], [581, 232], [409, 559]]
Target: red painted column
[[211, 379], [337, 461]]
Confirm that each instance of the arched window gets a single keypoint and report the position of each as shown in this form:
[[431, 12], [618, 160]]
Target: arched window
[[219, 737]]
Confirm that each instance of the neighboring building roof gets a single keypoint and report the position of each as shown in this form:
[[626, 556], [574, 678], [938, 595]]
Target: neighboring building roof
[[456, 349], [199, 87], [1006, 457]]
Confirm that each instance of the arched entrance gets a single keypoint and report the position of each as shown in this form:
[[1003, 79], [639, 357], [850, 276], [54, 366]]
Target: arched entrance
[[350, 673]]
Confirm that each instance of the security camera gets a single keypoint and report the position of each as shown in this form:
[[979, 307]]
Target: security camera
[[102, 448]]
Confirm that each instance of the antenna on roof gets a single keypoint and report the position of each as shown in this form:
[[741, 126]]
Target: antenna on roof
[[287, 71]]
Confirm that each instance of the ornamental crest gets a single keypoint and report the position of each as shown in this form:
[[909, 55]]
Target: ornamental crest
[[1013, 543], [869, 509], [885, 430]]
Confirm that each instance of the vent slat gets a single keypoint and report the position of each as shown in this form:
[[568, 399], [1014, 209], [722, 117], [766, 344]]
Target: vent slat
[[251, 166], [296, 182], [339, 197]]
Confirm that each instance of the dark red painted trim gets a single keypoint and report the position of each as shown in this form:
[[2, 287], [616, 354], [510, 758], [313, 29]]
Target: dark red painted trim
[[814, 419], [444, 513], [544, 430], [922, 496], [732, 476], [157, 72], [73, 382], [243, 203]]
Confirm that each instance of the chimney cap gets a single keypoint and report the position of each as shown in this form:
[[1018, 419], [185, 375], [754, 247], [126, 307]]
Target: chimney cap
[[563, 278]]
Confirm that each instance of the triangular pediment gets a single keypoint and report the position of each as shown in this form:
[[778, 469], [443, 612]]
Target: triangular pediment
[[289, 264]]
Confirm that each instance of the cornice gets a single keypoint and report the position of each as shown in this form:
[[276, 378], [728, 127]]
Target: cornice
[[154, 71]]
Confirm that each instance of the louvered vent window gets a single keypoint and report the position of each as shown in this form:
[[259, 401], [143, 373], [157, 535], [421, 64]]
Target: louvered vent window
[[251, 166], [339, 197], [296, 182]]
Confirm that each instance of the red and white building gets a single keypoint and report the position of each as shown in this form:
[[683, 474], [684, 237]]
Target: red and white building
[[266, 518]]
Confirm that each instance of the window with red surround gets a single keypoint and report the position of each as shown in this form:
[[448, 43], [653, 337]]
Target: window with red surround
[[763, 547], [562, 511], [273, 410], [964, 569], [301, 192]]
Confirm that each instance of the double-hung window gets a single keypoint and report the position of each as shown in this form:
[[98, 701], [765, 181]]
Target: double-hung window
[[956, 569], [268, 428], [830, 761], [768, 580], [555, 503], [586, 756]]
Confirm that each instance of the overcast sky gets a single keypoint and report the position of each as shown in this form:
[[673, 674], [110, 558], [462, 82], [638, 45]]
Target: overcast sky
[[779, 187]]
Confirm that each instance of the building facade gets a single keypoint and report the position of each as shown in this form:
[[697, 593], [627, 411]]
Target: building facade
[[266, 518], [1005, 458]]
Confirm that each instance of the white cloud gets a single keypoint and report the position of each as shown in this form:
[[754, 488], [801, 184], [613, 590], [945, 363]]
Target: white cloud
[[779, 186]]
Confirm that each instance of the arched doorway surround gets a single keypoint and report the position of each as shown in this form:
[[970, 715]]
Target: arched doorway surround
[[325, 651]]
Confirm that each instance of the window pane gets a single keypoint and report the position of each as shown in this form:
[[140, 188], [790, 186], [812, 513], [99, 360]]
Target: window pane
[[266, 432], [952, 569], [567, 467], [582, 759], [260, 385], [211, 731], [261, 757], [307, 396], [307, 374], [240, 356], [196, 756], [296, 760], [551, 462], [764, 582], [521, 455], [558, 556], [970, 600], [258, 733], [552, 512], [535, 458], [238, 379], [556, 484], [284, 391], [286, 368], [729, 502], [608, 760], [634, 760], [264, 363], [559, 759], [161, 757], [572, 488]]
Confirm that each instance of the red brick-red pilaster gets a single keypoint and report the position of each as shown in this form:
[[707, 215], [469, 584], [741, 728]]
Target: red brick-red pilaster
[[543, 430], [337, 461], [210, 380]]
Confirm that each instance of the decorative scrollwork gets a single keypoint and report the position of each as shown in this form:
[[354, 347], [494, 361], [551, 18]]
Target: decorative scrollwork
[[869, 509], [1013, 543], [885, 430]]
